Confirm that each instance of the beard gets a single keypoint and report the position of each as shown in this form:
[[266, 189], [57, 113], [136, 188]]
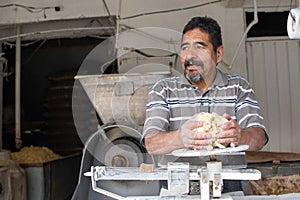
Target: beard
[[193, 76]]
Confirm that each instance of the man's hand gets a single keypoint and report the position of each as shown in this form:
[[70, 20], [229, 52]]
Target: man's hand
[[231, 133], [188, 136], [191, 137]]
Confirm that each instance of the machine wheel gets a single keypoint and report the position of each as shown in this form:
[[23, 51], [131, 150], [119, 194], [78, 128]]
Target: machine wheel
[[123, 150], [123, 153]]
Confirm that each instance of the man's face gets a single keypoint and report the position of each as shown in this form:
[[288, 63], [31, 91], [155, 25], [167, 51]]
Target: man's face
[[197, 56]]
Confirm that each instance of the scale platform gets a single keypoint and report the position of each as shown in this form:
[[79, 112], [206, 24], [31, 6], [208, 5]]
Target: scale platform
[[231, 157], [216, 151]]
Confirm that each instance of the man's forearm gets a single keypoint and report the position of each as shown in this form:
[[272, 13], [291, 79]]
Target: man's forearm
[[253, 136], [158, 142]]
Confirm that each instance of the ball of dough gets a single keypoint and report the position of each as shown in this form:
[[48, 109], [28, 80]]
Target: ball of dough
[[213, 125]]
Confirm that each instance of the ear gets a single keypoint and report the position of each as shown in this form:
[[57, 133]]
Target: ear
[[220, 52]]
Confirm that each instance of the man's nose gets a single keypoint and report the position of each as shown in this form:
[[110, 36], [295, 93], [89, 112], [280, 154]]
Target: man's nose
[[191, 53]]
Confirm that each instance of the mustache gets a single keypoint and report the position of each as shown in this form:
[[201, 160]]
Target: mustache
[[192, 61]]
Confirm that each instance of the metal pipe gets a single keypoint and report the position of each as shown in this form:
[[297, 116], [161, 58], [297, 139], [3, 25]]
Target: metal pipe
[[1, 95], [3, 65], [118, 24], [118, 31], [18, 91]]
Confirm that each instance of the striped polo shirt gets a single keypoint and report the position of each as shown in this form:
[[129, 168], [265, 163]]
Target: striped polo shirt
[[172, 101]]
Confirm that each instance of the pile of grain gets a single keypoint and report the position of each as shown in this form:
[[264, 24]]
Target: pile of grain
[[34, 154]]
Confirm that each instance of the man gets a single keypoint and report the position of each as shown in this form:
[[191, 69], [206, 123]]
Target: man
[[175, 103]]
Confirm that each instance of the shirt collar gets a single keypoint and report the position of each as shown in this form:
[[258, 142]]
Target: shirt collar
[[221, 79]]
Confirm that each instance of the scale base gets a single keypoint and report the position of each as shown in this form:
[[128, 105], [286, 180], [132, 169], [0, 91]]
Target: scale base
[[164, 194]]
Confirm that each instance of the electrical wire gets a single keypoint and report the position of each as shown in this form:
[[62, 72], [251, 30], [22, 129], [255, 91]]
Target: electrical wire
[[106, 8], [170, 10], [23, 44], [33, 53], [4, 61], [149, 55], [255, 20], [105, 65], [29, 8]]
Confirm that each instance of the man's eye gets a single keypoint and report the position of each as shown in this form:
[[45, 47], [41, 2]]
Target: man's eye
[[183, 48], [199, 46]]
